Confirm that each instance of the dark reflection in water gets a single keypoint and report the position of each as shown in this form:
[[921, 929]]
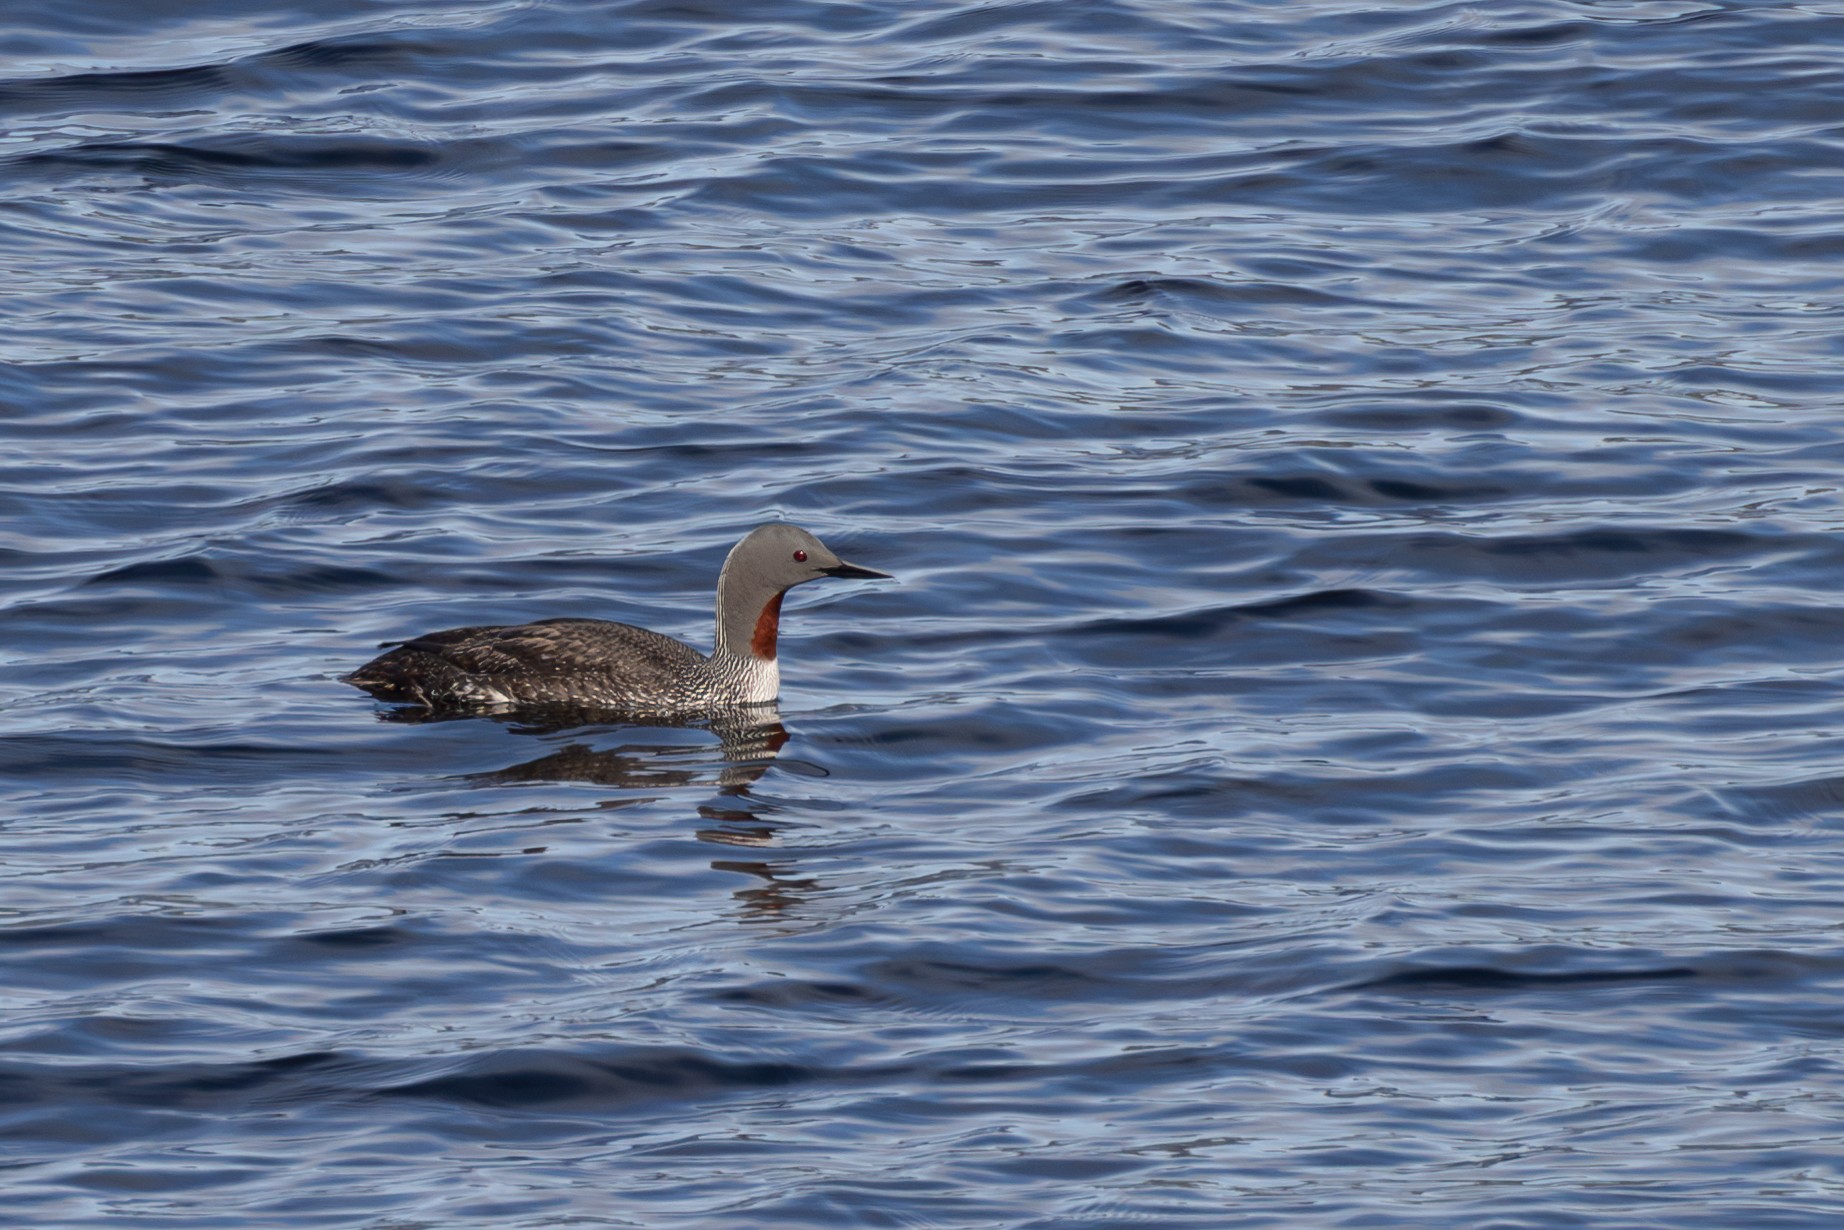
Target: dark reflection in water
[[748, 740]]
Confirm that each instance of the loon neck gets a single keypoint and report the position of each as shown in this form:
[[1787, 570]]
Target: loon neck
[[768, 628], [748, 619], [743, 667]]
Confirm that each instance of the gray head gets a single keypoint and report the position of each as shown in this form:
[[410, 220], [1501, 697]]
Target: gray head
[[779, 556], [770, 560]]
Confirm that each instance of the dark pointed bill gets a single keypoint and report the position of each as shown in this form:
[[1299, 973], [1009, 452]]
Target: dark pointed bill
[[853, 571]]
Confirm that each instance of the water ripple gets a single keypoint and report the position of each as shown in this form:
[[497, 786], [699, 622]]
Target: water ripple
[[1355, 740]]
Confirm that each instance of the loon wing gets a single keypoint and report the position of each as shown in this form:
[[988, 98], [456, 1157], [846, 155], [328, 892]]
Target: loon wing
[[543, 660]]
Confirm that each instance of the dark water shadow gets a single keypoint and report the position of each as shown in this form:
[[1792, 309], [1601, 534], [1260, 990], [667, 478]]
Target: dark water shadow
[[749, 740], [649, 760]]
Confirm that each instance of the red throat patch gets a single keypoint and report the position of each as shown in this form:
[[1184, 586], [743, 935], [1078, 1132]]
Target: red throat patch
[[768, 626]]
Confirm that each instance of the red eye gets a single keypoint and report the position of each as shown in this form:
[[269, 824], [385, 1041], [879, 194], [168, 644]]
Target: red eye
[[800, 557]]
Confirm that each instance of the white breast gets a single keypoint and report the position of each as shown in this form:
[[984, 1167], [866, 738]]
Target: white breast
[[762, 683]]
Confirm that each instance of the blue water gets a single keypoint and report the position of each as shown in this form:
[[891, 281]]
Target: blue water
[[1358, 741]]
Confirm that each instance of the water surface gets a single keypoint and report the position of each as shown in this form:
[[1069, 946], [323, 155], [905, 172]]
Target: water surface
[[1357, 741]]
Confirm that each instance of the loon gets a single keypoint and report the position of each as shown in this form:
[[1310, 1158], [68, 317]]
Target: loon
[[598, 664]]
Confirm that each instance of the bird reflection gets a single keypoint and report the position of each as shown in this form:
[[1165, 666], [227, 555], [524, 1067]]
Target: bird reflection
[[749, 741]]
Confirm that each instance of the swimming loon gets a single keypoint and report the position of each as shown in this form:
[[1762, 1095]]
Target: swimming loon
[[593, 662]]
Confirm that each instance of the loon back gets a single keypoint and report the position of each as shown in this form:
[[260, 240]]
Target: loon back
[[580, 660]]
